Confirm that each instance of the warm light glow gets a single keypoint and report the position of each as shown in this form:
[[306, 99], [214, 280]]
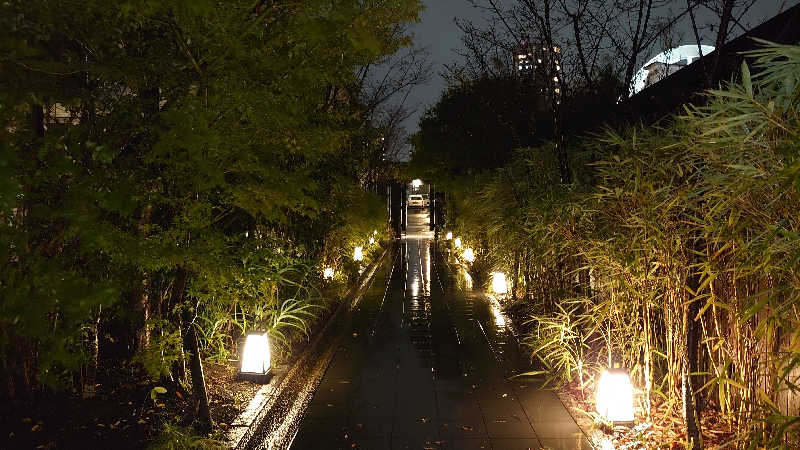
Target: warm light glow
[[615, 396], [469, 255], [255, 356], [499, 285], [448, 236], [499, 320], [374, 232], [358, 254], [416, 183], [328, 273], [457, 242], [371, 240]]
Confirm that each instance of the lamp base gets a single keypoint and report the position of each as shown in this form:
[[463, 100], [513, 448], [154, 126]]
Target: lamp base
[[260, 378]]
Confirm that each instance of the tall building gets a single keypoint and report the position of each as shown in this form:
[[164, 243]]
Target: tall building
[[531, 61]]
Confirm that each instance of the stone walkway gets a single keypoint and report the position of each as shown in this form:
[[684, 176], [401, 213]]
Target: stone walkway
[[427, 367]]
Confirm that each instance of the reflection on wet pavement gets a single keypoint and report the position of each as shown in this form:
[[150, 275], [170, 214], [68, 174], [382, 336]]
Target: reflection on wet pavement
[[428, 366]]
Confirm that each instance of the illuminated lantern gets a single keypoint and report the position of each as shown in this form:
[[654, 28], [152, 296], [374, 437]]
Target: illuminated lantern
[[615, 396], [457, 242], [499, 285], [358, 254], [448, 236], [255, 355], [469, 255], [328, 273]]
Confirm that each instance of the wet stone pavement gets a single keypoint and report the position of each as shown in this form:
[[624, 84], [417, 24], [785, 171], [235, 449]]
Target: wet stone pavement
[[428, 366]]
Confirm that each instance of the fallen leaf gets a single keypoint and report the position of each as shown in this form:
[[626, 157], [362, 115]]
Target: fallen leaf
[[505, 395], [36, 427], [178, 394], [423, 419], [142, 421], [466, 427], [355, 335]]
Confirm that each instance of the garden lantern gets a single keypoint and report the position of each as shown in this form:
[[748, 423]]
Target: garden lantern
[[328, 273], [499, 285], [615, 396], [255, 355], [469, 255], [457, 242], [358, 254]]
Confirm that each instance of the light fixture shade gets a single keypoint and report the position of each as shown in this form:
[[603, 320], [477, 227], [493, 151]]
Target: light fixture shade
[[615, 396], [457, 242], [469, 255], [499, 285], [449, 235], [358, 254], [327, 273], [255, 355]]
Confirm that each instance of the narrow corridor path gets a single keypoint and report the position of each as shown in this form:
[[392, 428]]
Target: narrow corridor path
[[428, 366]]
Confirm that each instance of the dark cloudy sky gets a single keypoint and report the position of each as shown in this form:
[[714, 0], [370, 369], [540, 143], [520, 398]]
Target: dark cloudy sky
[[438, 33]]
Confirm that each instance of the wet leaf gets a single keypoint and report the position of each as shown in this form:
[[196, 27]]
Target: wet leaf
[[466, 427], [505, 395], [26, 420], [423, 419], [178, 394], [36, 427], [142, 421]]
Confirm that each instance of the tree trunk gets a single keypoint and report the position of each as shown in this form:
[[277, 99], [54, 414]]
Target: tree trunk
[[93, 343], [691, 407], [190, 346]]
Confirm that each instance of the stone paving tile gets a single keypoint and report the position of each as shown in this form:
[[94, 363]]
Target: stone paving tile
[[561, 429], [565, 444], [435, 374]]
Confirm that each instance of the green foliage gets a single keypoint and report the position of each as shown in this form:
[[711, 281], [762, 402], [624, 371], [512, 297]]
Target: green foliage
[[175, 437], [176, 137], [158, 357], [603, 266]]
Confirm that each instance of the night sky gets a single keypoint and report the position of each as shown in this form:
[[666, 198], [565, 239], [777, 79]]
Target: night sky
[[438, 33]]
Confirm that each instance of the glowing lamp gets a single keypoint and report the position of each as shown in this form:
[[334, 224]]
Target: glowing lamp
[[255, 355], [499, 285], [416, 183], [358, 254], [457, 242], [328, 273], [448, 236], [371, 240], [615, 396], [469, 255]]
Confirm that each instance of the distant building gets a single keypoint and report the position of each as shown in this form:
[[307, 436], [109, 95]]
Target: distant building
[[665, 64], [531, 61]]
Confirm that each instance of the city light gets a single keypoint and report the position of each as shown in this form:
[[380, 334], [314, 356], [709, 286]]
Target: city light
[[615, 396], [469, 255], [358, 254], [255, 355], [499, 285]]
